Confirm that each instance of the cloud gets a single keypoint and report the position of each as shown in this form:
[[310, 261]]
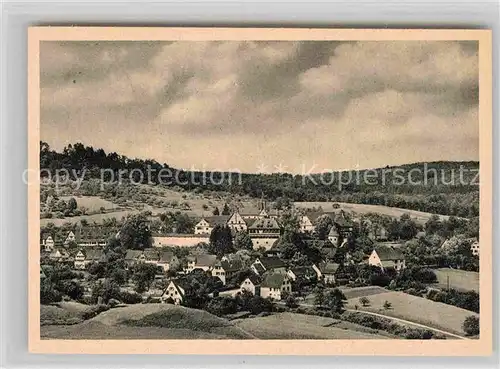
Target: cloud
[[239, 104]]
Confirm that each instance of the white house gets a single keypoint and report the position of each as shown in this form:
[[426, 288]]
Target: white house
[[207, 224], [237, 223], [305, 224], [59, 255], [474, 247], [70, 238], [274, 285], [48, 243], [334, 236], [251, 284], [175, 292], [202, 227], [386, 256], [264, 232]]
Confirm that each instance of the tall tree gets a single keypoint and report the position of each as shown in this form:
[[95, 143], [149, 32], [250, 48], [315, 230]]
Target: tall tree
[[135, 232], [242, 241], [323, 226], [72, 205], [221, 240], [226, 210]]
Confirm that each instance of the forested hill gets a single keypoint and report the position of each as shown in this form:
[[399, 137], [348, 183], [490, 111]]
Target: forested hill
[[439, 187]]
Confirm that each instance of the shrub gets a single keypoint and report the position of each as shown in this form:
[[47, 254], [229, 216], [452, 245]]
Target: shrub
[[291, 302], [387, 305], [130, 297], [471, 325], [364, 301], [48, 293], [466, 300], [94, 311]]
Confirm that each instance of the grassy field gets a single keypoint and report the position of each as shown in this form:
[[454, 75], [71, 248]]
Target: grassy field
[[195, 205], [419, 216], [98, 218], [351, 293], [299, 326], [458, 279], [148, 321], [92, 203], [417, 309], [356, 292]]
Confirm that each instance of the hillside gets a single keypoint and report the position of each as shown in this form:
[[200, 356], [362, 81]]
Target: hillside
[[448, 188], [148, 321]]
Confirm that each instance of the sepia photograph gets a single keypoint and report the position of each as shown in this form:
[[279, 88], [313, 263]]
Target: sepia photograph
[[260, 191]]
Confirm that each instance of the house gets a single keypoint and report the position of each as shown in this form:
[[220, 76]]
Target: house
[[95, 236], [202, 227], [236, 223], [305, 224], [268, 264], [304, 273], [387, 256], [166, 260], [263, 211], [334, 236], [201, 261], [132, 257], [84, 258], [175, 292], [344, 226], [274, 285], [207, 224], [47, 243], [225, 269], [474, 247], [327, 271], [264, 232], [59, 254], [70, 238], [147, 256], [251, 284]]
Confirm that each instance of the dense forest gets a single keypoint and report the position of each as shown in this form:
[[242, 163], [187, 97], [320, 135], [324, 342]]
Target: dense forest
[[450, 188]]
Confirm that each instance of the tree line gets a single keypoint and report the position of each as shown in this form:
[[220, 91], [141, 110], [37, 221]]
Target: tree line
[[428, 194]]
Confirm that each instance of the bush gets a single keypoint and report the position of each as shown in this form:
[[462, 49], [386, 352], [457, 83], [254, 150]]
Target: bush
[[389, 326], [222, 305], [130, 297], [291, 302], [48, 293], [94, 311], [364, 301], [471, 325], [466, 300]]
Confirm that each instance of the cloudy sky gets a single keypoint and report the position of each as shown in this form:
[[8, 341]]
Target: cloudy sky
[[281, 105]]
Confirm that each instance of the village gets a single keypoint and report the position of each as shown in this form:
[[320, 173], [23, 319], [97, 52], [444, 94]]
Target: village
[[287, 258]]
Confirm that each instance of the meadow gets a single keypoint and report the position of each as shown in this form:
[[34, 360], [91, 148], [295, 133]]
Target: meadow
[[416, 309]]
